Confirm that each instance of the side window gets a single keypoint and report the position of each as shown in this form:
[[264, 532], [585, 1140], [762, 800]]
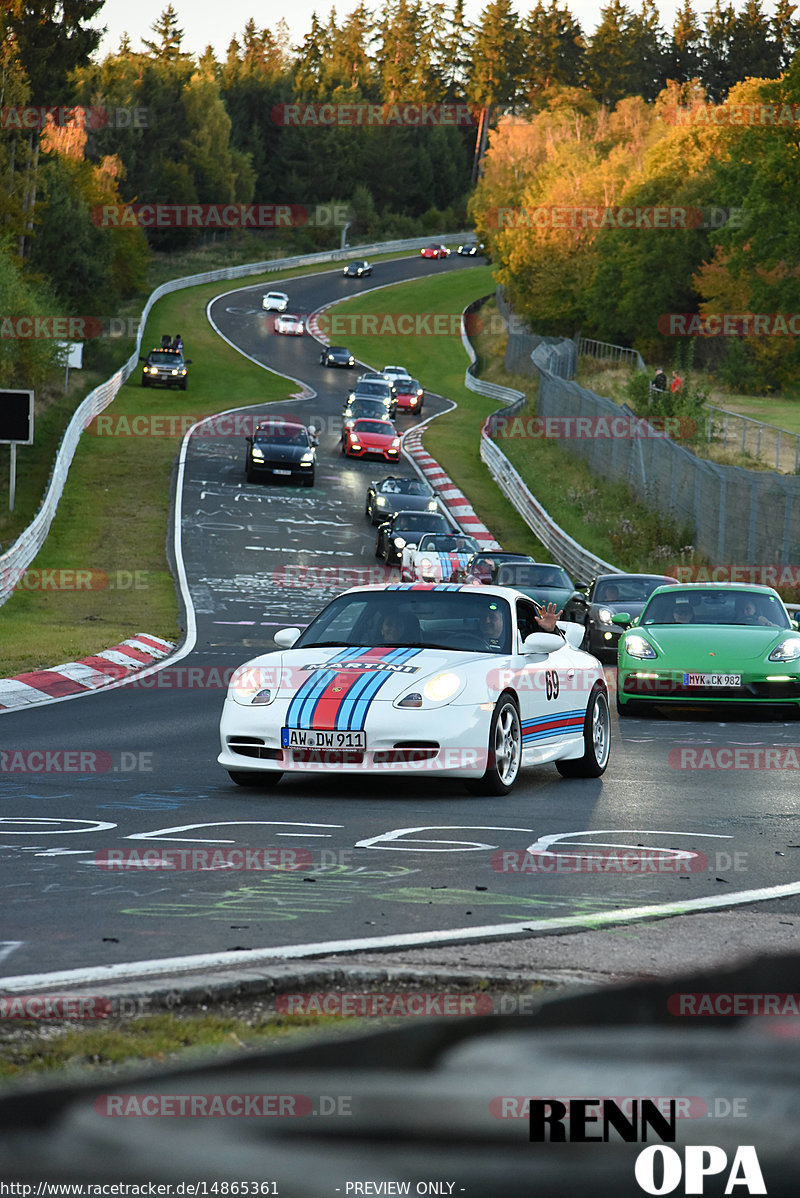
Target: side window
[[526, 619]]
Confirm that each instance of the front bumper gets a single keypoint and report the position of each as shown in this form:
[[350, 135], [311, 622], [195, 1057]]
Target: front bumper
[[667, 686], [366, 451], [399, 741]]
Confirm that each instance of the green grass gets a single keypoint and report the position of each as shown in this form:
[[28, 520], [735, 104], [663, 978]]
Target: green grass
[[31, 1049], [114, 513]]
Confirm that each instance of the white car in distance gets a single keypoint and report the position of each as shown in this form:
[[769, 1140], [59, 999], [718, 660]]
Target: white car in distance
[[293, 326], [275, 301]]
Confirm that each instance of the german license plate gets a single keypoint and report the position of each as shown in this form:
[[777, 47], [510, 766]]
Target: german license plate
[[712, 680], [317, 738], [281, 472]]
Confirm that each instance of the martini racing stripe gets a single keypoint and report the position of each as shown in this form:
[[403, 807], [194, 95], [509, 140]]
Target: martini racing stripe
[[352, 712], [546, 726], [425, 586], [301, 708], [340, 699]]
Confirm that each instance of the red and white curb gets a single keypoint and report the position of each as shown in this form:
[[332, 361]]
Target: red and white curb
[[88, 674], [454, 500]]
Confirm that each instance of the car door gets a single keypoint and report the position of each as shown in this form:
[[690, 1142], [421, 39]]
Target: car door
[[551, 690]]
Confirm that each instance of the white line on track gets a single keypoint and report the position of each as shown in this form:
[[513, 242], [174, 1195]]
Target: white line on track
[[250, 960]]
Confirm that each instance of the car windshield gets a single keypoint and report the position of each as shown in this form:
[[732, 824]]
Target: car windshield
[[377, 427], [420, 522], [282, 435], [404, 486], [722, 607], [367, 407], [456, 620], [373, 387], [449, 543], [276, 295], [405, 385], [339, 350], [163, 359], [521, 574], [625, 590]]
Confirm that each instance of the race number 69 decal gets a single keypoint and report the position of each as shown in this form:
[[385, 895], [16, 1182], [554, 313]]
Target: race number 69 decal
[[551, 684]]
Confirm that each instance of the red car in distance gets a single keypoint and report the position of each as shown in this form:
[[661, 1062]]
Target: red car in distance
[[435, 251], [371, 438], [409, 395]]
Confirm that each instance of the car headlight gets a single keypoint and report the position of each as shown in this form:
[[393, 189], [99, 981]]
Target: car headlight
[[442, 688], [400, 542], [380, 501], [637, 646], [395, 442], [604, 615], [432, 505], [307, 458], [258, 454], [426, 563], [788, 650], [254, 685]]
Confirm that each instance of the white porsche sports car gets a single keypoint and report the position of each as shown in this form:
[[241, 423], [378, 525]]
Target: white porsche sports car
[[437, 556], [292, 325], [456, 681]]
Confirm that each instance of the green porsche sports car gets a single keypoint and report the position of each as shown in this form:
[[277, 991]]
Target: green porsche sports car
[[708, 643]]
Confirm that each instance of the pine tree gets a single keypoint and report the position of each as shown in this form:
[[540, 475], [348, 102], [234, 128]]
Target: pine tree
[[611, 63], [167, 46], [553, 49], [685, 52]]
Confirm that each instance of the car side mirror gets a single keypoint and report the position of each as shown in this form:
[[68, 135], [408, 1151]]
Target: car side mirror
[[284, 638], [542, 642], [187, 361], [623, 618], [249, 440]]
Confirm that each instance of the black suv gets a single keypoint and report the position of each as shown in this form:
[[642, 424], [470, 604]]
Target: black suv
[[165, 368]]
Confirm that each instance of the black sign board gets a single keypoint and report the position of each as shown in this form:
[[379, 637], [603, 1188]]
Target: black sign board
[[16, 417]]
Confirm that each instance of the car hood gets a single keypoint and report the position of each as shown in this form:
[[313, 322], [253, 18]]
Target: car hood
[[365, 674], [282, 453], [405, 503], [730, 645]]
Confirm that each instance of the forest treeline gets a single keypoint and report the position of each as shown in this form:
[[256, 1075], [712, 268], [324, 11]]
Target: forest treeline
[[566, 109]]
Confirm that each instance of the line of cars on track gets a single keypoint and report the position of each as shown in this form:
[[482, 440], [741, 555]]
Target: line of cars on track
[[449, 670]]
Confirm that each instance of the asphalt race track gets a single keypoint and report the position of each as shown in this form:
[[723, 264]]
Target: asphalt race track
[[381, 858]]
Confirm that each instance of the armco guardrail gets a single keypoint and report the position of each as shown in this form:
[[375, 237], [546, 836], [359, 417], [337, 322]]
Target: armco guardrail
[[581, 564], [19, 556], [506, 395]]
